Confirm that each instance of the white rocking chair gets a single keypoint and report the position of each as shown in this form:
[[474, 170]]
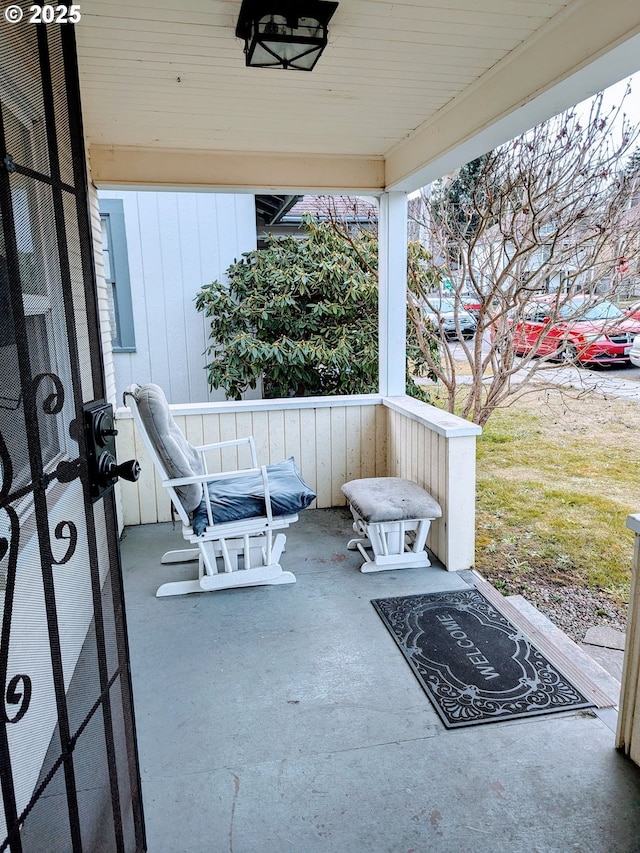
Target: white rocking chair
[[238, 552]]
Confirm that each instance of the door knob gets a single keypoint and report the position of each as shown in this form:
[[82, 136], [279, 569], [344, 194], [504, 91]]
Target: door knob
[[109, 471]]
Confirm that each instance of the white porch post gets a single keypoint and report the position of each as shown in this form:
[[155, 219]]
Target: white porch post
[[628, 734], [392, 293]]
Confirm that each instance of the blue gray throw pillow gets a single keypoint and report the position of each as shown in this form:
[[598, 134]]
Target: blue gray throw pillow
[[243, 497]]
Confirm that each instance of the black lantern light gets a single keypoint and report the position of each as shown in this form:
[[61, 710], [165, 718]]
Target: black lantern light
[[284, 33]]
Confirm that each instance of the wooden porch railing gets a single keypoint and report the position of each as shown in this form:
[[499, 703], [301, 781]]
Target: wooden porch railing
[[334, 439]]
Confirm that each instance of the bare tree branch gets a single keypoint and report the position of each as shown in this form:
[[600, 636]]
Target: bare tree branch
[[549, 213]]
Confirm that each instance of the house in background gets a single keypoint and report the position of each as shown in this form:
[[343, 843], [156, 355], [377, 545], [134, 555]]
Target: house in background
[[352, 211], [270, 210], [159, 249]]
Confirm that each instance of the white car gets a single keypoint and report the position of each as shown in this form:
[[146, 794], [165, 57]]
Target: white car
[[634, 352]]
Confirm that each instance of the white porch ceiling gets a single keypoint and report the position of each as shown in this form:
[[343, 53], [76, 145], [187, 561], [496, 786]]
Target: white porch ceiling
[[404, 89]]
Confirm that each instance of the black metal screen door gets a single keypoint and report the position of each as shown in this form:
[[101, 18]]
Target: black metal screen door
[[68, 762]]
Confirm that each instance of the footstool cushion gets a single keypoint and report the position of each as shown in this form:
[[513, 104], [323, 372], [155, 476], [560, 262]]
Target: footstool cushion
[[378, 499]]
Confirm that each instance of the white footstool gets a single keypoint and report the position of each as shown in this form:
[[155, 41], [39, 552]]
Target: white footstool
[[392, 516]]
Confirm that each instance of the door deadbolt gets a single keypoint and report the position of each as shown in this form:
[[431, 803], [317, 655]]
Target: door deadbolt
[[103, 468]]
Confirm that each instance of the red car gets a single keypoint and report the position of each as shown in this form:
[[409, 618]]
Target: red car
[[576, 330], [471, 303], [633, 312]]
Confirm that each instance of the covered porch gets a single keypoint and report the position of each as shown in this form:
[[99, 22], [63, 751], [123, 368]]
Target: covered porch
[[275, 719], [266, 718], [286, 718]]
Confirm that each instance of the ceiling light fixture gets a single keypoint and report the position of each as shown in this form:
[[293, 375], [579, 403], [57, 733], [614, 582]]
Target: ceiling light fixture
[[284, 33]]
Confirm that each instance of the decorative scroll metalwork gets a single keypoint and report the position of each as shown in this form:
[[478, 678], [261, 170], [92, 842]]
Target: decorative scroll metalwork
[[66, 530], [16, 696], [63, 528], [53, 403], [93, 714], [7, 471], [10, 546]]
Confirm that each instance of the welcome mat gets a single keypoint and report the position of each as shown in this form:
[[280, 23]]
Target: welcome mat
[[473, 664]]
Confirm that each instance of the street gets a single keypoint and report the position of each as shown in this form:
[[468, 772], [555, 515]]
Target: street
[[629, 372], [620, 381]]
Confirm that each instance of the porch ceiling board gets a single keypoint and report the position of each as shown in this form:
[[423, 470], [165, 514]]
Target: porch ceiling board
[[400, 84], [599, 39]]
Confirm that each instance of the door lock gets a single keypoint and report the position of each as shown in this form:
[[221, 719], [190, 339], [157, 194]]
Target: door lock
[[103, 468]]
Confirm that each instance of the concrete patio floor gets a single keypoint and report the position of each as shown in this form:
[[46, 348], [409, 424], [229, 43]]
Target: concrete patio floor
[[285, 719]]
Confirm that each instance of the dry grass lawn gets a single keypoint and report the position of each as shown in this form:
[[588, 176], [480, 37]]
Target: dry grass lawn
[[556, 481]]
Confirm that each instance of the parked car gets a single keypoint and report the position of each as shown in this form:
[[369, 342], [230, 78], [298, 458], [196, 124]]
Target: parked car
[[443, 314], [633, 311], [472, 303], [576, 330], [634, 352]]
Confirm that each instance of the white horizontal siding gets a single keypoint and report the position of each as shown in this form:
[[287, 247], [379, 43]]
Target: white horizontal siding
[[176, 243], [103, 304], [111, 385]]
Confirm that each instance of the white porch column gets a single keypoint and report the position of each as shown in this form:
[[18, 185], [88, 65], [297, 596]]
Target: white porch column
[[392, 293], [628, 734]]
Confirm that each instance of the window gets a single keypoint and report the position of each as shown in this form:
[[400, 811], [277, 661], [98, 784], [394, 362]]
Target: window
[[536, 314], [36, 244], [116, 273]]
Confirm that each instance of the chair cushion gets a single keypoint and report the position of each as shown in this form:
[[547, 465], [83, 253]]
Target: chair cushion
[[390, 499], [243, 497], [179, 458]]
